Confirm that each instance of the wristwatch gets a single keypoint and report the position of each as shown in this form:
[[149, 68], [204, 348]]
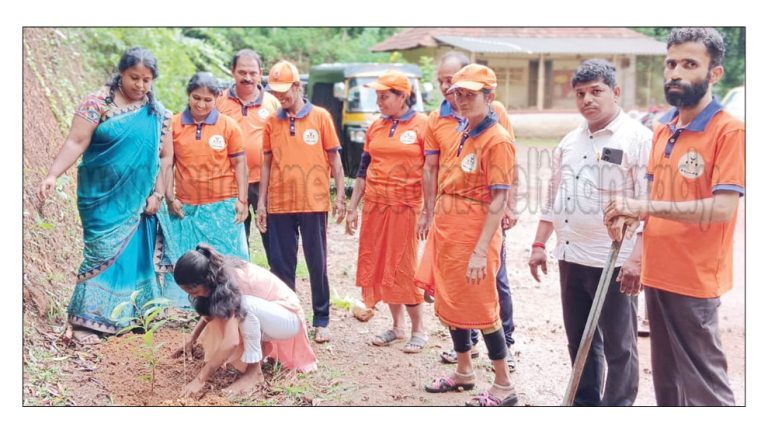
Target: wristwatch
[[158, 195]]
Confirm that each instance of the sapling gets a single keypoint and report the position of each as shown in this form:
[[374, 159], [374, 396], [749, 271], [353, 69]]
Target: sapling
[[149, 317]]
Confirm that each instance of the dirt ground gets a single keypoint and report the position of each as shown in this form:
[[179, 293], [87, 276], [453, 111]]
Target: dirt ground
[[353, 372]]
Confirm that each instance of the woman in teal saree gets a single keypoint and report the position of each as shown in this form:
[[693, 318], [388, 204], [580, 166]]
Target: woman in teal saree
[[124, 138]]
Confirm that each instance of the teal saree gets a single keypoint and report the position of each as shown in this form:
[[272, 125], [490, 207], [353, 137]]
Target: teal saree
[[115, 177]]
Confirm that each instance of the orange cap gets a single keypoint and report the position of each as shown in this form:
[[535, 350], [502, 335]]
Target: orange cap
[[474, 77], [282, 76], [392, 80]]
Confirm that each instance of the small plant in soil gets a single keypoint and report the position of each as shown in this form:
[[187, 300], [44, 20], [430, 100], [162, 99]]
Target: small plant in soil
[[147, 318]]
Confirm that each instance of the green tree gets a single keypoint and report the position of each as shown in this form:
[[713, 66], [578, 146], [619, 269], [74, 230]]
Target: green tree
[[179, 56], [735, 54], [183, 51]]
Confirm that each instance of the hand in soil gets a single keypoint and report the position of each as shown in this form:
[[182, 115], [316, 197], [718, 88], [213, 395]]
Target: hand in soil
[[188, 347], [193, 389]]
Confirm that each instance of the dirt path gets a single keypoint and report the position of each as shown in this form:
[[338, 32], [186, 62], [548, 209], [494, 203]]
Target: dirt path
[[353, 372]]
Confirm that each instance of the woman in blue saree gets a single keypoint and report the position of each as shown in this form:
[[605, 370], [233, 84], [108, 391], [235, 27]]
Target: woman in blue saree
[[124, 138], [210, 183]]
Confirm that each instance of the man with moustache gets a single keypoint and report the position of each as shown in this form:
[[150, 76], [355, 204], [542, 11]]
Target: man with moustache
[[580, 185], [696, 169], [247, 103]]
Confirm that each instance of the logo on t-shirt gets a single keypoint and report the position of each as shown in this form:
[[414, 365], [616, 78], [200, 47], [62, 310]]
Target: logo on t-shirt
[[691, 165], [217, 142], [311, 136], [408, 137], [469, 163], [263, 114]]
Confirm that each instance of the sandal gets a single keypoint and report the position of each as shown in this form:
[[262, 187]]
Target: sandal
[[415, 345], [448, 384], [386, 338], [85, 336], [451, 357], [487, 399]]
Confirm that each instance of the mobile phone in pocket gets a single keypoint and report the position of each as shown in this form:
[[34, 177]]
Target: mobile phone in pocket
[[612, 155]]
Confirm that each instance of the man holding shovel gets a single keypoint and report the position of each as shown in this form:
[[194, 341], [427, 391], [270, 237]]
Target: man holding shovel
[[603, 157], [696, 170]]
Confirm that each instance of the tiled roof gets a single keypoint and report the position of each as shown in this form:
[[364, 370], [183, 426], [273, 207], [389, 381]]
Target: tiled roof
[[425, 36], [556, 45]]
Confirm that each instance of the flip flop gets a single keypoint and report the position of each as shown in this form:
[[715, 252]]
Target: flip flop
[[386, 338], [416, 344]]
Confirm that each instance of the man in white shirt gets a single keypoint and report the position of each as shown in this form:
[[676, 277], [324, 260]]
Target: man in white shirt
[[604, 157]]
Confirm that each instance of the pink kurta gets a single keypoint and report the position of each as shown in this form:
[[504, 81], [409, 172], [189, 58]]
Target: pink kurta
[[294, 353]]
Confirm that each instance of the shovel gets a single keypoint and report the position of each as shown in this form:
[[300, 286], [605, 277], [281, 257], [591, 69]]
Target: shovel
[[592, 320]]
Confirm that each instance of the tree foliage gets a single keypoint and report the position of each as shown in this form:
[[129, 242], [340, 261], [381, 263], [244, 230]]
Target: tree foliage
[[183, 51], [735, 54]]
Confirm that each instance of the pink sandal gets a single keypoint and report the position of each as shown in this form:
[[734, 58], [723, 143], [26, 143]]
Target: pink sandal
[[447, 384], [487, 399]]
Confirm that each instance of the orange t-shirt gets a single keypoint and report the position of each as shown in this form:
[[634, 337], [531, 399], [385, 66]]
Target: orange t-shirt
[[397, 158], [483, 160], [299, 178], [693, 259], [201, 157], [251, 118], [441, 134]]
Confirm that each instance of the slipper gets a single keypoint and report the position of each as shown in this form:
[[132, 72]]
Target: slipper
[[386, 338], [322, 334], [447, 384], [487, 399], [415, 345], [85, 336], [451, 357]]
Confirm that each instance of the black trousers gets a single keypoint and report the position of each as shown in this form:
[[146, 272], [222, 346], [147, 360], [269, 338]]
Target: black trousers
[[283, 231], [614, 345]]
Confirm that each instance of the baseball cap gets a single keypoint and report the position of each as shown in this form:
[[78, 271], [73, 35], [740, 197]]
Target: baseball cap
[[282, 76], [474, 77], [392, 80]]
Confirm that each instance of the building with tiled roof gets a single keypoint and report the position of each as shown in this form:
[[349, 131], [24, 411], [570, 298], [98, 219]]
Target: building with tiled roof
[[534, 65]]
